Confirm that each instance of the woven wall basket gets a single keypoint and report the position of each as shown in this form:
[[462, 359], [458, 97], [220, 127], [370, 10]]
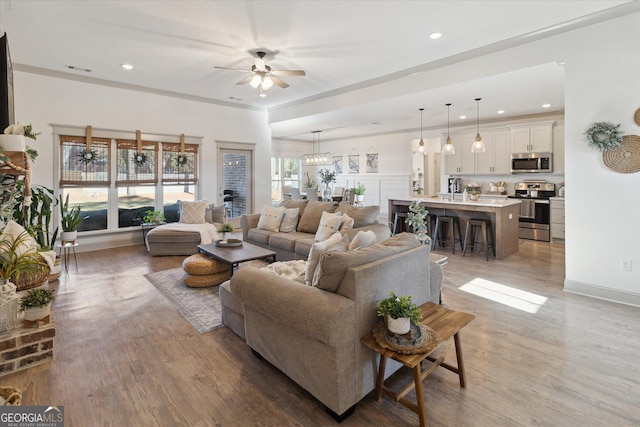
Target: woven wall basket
[[626, 158], [636, 117]]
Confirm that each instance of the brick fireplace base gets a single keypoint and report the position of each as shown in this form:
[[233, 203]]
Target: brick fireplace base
[[23, 348]]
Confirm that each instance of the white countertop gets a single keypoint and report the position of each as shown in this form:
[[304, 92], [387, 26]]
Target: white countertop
[[481, 202]]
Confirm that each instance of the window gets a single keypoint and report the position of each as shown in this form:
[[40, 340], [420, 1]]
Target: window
[[284, 172], [149, 174]]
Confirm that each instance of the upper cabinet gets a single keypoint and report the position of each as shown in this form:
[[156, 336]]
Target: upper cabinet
[[497, 157], [463, 161], [533, 138]]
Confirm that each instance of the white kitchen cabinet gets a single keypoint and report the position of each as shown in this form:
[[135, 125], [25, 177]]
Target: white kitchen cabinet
[[463, 162], [557, 218], [533, 138], [497, 157]]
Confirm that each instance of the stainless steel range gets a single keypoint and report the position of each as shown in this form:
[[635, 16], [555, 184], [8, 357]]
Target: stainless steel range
[[534, 222]]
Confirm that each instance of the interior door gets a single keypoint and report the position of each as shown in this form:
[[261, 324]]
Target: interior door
[[235, 175]]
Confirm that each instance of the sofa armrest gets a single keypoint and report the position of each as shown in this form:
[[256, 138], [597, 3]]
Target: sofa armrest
[[247, 222], [322, 315], [436, 276]]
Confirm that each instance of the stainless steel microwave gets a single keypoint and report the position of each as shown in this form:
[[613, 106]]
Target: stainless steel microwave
[[531, 162]]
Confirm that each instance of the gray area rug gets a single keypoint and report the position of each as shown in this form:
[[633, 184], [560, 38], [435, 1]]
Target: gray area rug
[[200, 306]]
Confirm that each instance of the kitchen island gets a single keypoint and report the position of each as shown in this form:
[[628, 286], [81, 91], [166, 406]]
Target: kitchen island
[[503, 214]]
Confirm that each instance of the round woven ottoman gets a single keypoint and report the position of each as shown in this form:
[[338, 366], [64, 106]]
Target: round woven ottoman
[[202, 271]]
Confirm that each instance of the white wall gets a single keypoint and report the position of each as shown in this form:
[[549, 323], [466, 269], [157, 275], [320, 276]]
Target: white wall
[[42, 100], [602, 206]]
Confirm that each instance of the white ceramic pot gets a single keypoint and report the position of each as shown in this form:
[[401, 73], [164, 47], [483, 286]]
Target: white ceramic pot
[[13, 142], [400, 326], [37, 313], [359, 197], [69, 236]]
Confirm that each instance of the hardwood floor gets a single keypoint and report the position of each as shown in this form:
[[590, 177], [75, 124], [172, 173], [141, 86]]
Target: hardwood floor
[[125, 357]]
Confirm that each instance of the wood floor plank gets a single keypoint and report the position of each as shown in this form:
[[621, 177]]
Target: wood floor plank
[[123, 356]]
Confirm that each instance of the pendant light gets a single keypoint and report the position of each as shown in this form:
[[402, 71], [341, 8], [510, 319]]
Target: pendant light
[[316, 157], [478, 144], [448, 149], [421, 145]]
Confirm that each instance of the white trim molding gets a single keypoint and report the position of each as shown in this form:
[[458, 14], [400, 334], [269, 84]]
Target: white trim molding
[[600, 292]]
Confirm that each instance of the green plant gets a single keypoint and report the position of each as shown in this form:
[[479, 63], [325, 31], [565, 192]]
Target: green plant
[[417, 219], [14, 259], [35, 298], [327, 176], [153, 216], [36, 217], [70, 218], [309, 182], [416, 186], [398, 307], [225, 228], [360, 189]]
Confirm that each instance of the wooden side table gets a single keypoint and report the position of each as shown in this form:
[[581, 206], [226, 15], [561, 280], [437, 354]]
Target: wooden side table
[[446, 323]]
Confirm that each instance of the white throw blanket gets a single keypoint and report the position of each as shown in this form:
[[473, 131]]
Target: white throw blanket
[[49, 257], [293, 270], [208, 232]]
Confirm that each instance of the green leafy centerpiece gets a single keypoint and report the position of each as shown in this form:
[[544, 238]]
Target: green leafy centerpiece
[[399, 313]]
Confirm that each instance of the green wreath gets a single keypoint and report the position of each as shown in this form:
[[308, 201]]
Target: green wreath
[[140, 158], [603, 136], [181, 160]]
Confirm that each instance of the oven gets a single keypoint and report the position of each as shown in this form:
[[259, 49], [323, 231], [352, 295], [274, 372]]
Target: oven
[[535, 211]]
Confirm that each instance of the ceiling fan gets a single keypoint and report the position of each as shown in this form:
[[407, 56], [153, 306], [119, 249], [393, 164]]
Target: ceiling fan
[[263, 77]]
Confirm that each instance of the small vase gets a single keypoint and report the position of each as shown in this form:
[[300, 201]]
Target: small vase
[[13, 142], [400, 326], [359, 198], [326, 196], [37, 313]]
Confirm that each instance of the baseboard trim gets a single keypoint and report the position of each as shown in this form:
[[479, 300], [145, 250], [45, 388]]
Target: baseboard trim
[[607, 294]]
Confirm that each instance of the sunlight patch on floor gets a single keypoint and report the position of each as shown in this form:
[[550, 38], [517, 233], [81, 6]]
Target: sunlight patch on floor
[[507, 295]]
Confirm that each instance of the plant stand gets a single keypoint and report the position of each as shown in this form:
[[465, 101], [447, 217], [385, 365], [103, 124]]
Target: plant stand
[[65, 252], [30, 323]]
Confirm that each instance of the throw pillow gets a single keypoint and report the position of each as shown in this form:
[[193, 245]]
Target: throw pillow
[[347, 223], [343, 246], [361, 216], [15, 233], [270, 218], [193, 212], [291, 204], [215, 214], [289, 220], [310, 218], [363, 239], [329, 224], [315, 252]]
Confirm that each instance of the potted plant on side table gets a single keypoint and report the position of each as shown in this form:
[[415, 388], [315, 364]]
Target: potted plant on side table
[[399, 312], [359, 192], [37, 304], [70, 220], [155, 217]]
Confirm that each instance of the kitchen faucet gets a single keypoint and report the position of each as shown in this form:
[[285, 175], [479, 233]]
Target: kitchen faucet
[[452, 188]]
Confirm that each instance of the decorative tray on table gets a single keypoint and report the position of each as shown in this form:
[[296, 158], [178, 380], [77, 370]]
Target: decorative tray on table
[[229, 243], [413, 338]]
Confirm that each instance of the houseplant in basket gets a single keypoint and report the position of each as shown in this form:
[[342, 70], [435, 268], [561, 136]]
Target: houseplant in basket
[[70, 220], [37, 303], [20, 265], [399, 312]]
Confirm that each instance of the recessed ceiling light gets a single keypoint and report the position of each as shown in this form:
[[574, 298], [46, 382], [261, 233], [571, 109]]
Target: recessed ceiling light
[[127, 66], [435, 36], [546, 105], [501, 111], [463, 117]]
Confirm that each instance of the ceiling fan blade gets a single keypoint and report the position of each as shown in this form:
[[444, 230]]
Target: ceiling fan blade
[[245, 80], [233, 69], [289, 72], [278, 82]]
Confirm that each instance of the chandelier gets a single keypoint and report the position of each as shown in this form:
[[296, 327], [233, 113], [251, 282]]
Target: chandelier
[[316, 157]]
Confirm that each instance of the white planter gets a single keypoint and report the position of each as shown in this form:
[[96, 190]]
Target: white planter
[[69, 236], [359, 197], [400, 326], [13, 142], [37, 313]]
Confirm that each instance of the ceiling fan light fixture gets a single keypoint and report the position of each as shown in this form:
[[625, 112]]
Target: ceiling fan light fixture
[[478, 145], [266, 83], [448, 149], [255, 81]]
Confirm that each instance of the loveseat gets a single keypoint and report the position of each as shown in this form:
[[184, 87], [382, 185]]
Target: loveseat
[[296, 244], [312, 333]]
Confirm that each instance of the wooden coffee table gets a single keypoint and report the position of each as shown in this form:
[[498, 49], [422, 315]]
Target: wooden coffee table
[[446, 323], [234, 256]]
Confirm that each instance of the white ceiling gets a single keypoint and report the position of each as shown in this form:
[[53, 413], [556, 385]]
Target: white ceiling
[[342, 46]]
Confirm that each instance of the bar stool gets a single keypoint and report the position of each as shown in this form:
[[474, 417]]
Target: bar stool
[[452, 223], [395, 220], [472, 228]]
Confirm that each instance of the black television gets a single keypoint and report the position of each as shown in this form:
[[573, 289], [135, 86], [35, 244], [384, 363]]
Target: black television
[[7, 113]]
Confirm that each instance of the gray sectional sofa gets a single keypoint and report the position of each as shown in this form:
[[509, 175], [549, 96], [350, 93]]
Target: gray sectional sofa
[[312, 334], [297, 244]]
